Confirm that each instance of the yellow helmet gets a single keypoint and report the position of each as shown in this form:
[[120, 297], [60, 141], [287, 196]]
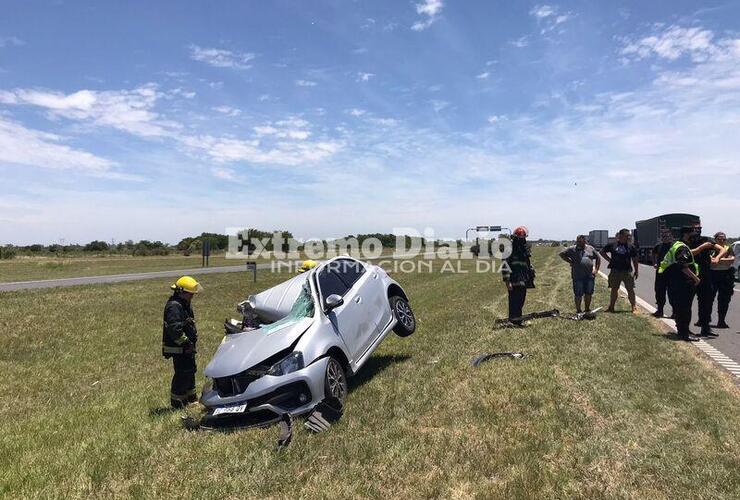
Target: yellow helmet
[[187, 284], [307, 266]]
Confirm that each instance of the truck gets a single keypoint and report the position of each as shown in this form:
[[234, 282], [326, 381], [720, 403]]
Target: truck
[[648, 232], [598, 238]]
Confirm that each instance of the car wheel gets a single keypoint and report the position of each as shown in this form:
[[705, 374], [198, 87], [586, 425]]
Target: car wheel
[[405, 319], [335, 381]]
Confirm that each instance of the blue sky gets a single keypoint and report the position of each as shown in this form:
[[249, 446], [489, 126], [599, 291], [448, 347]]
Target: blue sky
[[162, 119]]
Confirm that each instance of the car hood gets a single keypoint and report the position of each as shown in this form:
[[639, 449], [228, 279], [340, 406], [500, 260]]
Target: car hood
[[241, 351]]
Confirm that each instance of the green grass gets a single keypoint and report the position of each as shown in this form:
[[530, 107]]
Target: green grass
[[42, 268], [602, 409]]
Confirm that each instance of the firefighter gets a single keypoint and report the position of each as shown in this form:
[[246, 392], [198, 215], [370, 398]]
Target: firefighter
[[307, 265], [518, 274], [179, 337], [682, 277], [723, 278]]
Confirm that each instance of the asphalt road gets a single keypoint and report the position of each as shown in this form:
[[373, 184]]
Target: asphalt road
[[728, 341], [118, 278]]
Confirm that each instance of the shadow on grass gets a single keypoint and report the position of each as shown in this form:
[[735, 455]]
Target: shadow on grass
[[162, 410], [372, 367]]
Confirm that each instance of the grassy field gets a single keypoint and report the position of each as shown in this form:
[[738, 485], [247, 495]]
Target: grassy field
[[604, 409], [42, 268]]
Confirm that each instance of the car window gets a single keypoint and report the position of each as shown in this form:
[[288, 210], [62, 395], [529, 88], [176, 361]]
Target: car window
[[330, 283], [349, 270]]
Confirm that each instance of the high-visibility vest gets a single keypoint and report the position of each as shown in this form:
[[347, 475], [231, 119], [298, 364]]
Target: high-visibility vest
[[670, 258]]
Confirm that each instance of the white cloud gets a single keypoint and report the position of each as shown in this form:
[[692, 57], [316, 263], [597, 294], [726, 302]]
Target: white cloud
[[542, 11], [305, 83], [672, 43], [23, 146], [430, 10], [356, 112], [228, 110], [364, 77], [10, 41], [221, 58], [520, 42], [293, 128], [438, 105], [483, 76], [549, 17], [285, 153], [222, 173], [127, 110], [495, 119]]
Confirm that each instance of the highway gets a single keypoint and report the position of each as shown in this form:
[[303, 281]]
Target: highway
[[728, 341], [118, 278]]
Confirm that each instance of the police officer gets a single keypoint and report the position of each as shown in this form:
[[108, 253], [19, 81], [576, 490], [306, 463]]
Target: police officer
[[518, 274], [682, 277], [723, 278], [179, 337], [661, 285], [702, 248]]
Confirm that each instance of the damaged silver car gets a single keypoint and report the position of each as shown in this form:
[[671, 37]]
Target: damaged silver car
[[298, 342]]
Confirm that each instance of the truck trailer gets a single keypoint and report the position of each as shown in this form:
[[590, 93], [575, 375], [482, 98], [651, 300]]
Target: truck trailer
[[648, 232], [598, 238]]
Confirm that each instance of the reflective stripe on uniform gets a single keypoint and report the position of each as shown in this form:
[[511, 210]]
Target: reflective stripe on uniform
[[182, 340], [670, 258], [181, 397], [171, 350]]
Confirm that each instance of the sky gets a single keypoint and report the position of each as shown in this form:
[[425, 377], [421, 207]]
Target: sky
[[159, 120]]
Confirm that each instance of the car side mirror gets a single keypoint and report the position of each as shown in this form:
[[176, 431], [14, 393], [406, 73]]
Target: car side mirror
[[333, 301]]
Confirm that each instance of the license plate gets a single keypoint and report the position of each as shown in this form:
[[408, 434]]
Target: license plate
[[230, 409]]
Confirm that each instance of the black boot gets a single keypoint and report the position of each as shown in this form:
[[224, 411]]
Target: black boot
[[706, 331], [688, 337], [658, 313]]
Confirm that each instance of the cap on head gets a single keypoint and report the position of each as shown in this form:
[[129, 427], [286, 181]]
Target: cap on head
[[307, 265], [187, 284], [521, 232]]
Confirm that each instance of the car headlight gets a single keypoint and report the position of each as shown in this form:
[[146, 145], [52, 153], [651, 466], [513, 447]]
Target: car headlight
[[290, 363]]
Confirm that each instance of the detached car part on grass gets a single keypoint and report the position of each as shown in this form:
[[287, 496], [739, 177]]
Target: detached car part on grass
[[298, 342]]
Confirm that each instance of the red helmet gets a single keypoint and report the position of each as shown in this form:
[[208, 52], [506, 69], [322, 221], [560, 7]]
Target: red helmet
[[521, 232]]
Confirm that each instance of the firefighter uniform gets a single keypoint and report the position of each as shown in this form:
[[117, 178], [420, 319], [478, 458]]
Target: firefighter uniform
[[520, 275], [681, 288], [179, 338]]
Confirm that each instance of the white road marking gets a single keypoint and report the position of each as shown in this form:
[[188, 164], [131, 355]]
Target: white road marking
[[716, 355]]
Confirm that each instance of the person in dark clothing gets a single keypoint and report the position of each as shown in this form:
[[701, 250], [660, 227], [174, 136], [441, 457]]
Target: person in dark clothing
[[179, 338], [682, 277], [702, 248], [518, 274], [661, 283], [623, 268], [723, 278]]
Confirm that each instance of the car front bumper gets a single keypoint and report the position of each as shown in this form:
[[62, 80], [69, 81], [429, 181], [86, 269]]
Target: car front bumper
[[269, 397]]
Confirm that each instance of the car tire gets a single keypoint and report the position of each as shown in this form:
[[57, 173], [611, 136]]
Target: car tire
[[335, 381], [405, 319]]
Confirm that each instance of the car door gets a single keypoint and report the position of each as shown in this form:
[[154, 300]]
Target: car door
[[347, 319], [364, 289]]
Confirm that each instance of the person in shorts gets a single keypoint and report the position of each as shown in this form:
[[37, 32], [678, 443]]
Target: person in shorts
[[584, 263], [623, 268]]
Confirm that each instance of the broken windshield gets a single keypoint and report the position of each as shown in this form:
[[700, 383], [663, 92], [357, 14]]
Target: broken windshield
[[303, 307]]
